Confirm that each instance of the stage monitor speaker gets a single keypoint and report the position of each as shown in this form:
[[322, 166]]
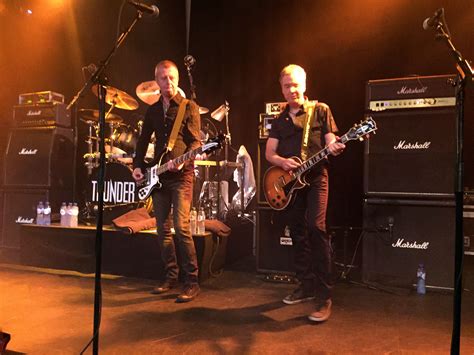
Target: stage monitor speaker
[[413, 154], [401, 234], [19, 207], [39, 157], [262, 166], [274, 247]]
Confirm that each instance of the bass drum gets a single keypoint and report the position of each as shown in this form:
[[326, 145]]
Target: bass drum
[[120, 192]]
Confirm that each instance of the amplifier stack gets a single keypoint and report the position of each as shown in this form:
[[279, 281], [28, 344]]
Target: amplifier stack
[[409, 181], [37, 162], [274, 248]]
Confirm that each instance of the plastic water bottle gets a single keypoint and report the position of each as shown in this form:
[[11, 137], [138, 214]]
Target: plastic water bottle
[[74, 215], [201, 221], [62, 212], [193, 220], [68, 214], [40, 213], [47, 214], [421, 280]]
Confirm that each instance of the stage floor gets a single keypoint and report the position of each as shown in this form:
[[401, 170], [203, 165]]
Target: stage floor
[[51, 312]]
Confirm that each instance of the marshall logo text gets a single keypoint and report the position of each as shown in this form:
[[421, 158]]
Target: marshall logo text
[[400, 243], [23, 220], [416, 145], [25, 151], [406, 91]]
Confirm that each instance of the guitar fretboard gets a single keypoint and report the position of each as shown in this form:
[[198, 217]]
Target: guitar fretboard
[[323, 153], [179, 160]]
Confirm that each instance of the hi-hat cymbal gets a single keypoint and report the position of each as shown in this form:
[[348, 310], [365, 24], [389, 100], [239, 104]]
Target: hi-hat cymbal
[[203, 110], [117, 98], [93, 115]]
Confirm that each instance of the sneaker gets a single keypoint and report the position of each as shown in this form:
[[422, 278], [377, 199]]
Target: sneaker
[[299, 295], [322, 313], [164, 287], [189, 293]]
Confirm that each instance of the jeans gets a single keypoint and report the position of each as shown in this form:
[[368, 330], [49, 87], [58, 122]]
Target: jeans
[[178, 193], [311, 242]]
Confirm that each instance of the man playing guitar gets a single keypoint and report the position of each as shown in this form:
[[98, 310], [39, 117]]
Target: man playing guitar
[[303, 128]]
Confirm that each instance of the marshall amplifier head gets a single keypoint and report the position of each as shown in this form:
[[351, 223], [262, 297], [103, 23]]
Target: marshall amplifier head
[[38, 115], [411, 93]]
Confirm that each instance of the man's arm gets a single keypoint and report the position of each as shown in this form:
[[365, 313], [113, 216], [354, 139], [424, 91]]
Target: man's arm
[[273, 158]]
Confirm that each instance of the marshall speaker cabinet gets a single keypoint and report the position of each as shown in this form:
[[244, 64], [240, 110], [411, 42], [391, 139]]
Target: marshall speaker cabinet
[[400, 234], [413, 153], [274, 246], [40, 157], [19, 207]]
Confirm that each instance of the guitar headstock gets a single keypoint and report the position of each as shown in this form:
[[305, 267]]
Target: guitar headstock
[[362, 130], [213, 143]]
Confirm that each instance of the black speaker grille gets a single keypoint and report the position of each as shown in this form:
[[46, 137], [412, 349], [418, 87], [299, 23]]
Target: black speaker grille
[[272, 255], [39, 157], [422, 232], [19, 207], [412, 154]]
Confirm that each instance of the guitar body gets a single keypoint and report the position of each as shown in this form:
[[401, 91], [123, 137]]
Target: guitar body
[[279, 186], [153, 181]]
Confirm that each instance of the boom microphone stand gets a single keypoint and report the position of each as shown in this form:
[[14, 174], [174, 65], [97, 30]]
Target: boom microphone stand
[[99, 78], [465, 74]]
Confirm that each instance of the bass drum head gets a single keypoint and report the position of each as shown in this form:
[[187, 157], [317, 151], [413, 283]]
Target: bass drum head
[[120, 192]]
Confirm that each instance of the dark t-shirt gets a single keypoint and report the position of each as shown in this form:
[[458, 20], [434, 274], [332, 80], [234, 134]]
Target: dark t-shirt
[[290, 135]]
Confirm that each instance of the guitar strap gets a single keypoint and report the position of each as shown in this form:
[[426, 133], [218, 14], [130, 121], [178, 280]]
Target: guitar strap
[[177, 125], [308, 123]]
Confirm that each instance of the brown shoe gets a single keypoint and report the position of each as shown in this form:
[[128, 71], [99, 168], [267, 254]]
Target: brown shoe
[[164, 287], [322, 313], [189, 293]]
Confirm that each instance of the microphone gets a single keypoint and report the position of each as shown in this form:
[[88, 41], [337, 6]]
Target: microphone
[[391, 222], [189, 60], [433, 21], [149, 9]]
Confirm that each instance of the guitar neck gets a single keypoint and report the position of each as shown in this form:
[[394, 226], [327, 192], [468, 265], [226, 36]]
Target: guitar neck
[[179, 160], [316, 158]]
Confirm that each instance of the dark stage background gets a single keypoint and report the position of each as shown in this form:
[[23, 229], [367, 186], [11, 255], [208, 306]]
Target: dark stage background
[[240, 47]]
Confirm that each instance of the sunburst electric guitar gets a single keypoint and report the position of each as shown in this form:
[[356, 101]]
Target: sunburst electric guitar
[[279, 185], [152, 174]]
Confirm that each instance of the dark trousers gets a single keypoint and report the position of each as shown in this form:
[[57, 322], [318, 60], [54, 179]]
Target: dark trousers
[[311, 242], [177, 192]]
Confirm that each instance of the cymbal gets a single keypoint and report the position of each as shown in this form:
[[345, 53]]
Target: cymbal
[[118, 98], [203, 110], [219, 113], [148, 92], [93, 115]]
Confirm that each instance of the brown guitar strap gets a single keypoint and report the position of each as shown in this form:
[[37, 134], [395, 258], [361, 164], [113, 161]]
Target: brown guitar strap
[[177, 125], [308, 123]]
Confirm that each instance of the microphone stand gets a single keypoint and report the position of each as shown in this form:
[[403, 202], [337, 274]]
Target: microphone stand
[[191, 83], [465, 75], [99, 78]]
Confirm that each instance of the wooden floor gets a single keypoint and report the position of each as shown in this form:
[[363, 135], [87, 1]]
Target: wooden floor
[[51, 312]]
